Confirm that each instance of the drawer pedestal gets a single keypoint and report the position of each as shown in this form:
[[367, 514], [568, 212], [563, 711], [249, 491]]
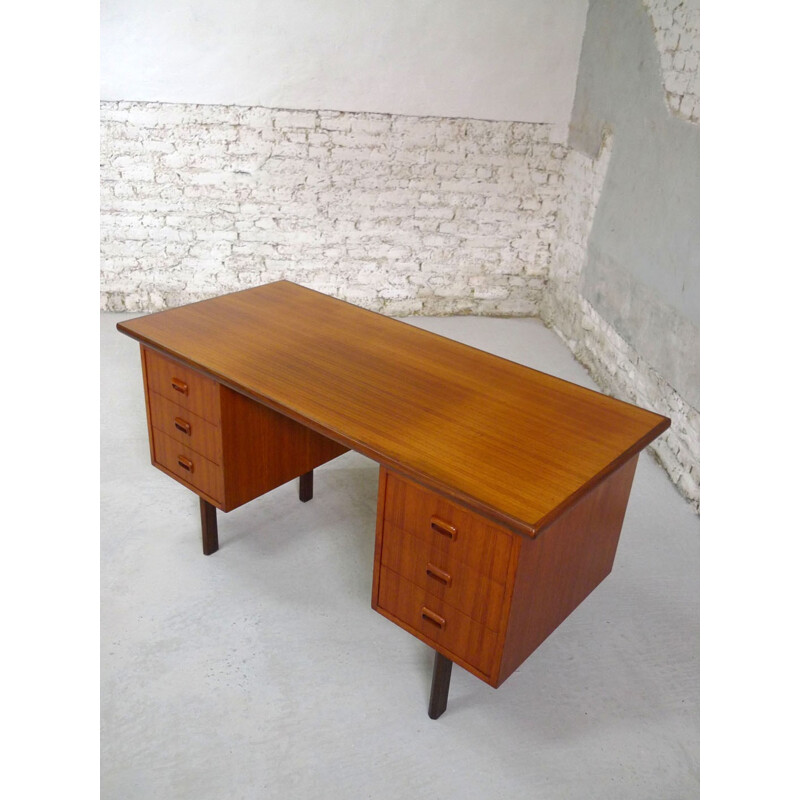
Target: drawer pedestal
[[223, 446], [492, 596]]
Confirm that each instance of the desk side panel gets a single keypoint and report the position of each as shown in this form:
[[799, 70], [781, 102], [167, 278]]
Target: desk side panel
[[379, 523], [147, 406], [263, 449], [558, 569]]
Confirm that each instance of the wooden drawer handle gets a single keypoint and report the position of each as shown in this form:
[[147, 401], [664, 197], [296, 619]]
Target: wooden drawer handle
[[445, 528], [179, 386], [186, 463], [438, 621], [183, 426], [437, 574]]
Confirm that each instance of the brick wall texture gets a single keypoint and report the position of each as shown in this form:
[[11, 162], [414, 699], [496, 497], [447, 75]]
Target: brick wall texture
[[402, 215], [676, 25], [398, 214]]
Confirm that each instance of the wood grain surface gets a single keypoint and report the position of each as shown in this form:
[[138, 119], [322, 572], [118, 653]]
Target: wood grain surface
[[555, 572], [509, 442]]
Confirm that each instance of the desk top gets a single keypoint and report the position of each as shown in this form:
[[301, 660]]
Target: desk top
[[509, 442]]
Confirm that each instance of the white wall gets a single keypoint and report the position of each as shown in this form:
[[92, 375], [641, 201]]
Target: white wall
[[483, 59]]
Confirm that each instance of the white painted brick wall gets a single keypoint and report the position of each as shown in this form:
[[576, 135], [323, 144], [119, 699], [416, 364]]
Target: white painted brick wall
[[402, 215], [676, 25]]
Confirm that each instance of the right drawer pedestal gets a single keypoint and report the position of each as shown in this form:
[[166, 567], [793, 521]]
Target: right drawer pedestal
[[484, 596]]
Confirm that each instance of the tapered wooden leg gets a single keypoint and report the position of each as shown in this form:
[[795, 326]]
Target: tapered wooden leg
[[440, 686], [306, 486], [208, 524]]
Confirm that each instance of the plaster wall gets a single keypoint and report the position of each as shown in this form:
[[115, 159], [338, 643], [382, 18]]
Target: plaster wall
[[642, 270], [623, 281], [516, 60]]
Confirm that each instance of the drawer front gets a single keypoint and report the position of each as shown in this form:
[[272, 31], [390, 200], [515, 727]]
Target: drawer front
[[451, 581], [183, 385], [452, 532], [187, 464], [437, 621], [186, 427]]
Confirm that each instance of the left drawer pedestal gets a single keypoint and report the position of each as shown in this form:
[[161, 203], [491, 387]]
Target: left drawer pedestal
[[223, 446]]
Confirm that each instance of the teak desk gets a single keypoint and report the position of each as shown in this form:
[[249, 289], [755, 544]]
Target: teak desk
[[502, 489]]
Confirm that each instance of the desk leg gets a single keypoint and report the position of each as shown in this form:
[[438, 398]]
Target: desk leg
[[208, 524], [306, 486], [440, 685]]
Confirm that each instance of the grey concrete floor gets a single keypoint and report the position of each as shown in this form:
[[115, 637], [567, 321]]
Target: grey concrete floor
[[263, 672]]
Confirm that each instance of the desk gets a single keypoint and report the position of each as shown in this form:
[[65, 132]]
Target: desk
[[502, 489]]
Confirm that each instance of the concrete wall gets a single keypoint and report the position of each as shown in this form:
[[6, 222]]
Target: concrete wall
[[623, 287], [514, 60]]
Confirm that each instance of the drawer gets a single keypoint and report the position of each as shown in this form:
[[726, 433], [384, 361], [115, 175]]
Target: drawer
[[437, 621], [452, 532], [188, 465], [451, 581], [186, 427], [183, 385]]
